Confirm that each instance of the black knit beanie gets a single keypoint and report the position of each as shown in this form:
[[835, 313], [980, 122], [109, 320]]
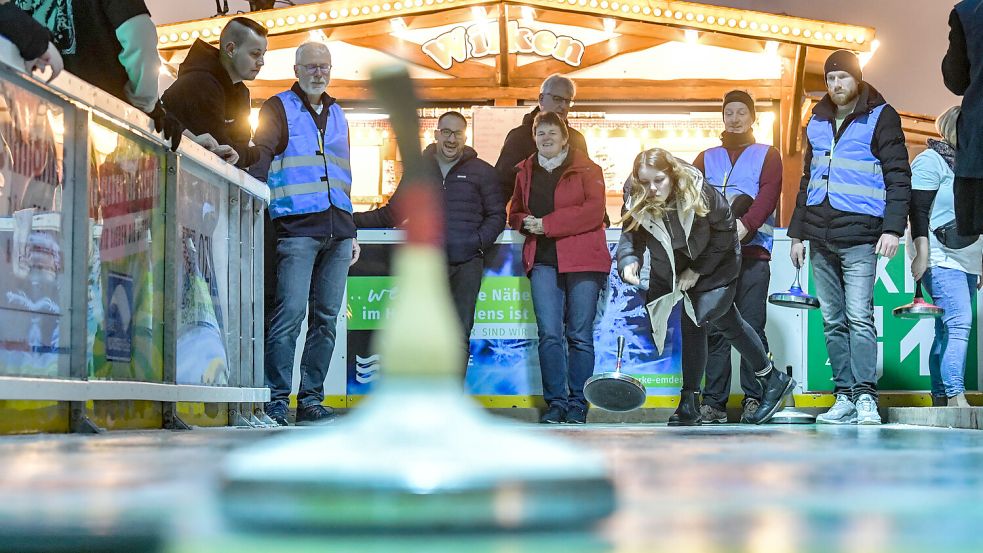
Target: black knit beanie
[[844, 60], [742, 97]]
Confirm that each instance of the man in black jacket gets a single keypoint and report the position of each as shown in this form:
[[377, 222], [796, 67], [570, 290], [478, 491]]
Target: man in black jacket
[[962, 71], [556, 94], [209, 96], [474, 213], [852, 206]]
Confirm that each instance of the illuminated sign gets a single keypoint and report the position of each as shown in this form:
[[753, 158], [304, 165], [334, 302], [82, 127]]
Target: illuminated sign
[[481, 40]]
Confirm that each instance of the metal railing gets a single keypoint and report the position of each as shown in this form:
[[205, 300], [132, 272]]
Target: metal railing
[[127, 271]]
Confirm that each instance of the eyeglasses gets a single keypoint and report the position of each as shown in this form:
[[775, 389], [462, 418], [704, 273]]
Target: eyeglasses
[[313, 68], [447, 133], [559, 99]]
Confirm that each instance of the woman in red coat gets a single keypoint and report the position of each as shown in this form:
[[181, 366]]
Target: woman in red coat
[[558, 205]]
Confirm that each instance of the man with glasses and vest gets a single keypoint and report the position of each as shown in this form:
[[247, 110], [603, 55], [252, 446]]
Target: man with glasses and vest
[[852, 207], [749, 175], [556, 95], [305, 159], [474, 213]]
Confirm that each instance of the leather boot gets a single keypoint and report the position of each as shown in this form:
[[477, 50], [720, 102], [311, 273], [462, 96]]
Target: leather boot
[[939, 401], [688, 412], [774, 386]]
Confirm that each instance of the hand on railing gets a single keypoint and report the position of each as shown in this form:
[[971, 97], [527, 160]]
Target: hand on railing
[[50, 58], [167, 124], [207, 141]]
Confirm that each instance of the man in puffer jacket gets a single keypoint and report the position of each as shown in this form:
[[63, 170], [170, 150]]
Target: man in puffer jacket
[[852, 207], [474, 212]]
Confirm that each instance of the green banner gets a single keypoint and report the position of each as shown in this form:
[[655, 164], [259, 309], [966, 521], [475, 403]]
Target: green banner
[[903, 345], [368, 301]]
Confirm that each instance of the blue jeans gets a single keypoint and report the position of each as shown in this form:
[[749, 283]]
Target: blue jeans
[[844, 278], [952, 290], [319, 267], [565, 306]]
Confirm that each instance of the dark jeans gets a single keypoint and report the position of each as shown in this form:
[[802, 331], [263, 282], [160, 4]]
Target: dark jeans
[[465, 283], [844, 279], [752, 302], [565, 306], [737, 333], [319, 267]]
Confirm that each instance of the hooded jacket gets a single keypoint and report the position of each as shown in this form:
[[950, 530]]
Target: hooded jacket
[[205, 100], [474, 213], [825, 223], [577, 221]]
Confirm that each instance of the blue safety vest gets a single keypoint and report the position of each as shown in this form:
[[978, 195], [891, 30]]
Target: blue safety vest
[[846, 170], [742, 177], [314, 172]]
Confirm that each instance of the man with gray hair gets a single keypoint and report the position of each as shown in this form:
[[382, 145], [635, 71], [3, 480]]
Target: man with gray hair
[[305, 158], [556, 95]]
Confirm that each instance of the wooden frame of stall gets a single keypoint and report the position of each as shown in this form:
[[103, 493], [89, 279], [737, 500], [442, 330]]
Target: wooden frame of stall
[[635, 25]]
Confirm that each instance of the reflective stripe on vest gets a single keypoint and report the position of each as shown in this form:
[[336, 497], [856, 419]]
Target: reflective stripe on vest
[[314, 172], [742, 177], [846, 170]]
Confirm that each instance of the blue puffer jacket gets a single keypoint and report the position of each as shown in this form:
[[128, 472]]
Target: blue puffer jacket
[[474, 212]]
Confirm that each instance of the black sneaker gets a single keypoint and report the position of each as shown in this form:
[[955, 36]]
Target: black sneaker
[[576, 415], [314, 415], [553, 415], [278, 412]]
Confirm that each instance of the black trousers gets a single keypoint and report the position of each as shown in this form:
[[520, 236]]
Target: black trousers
[[968, 197], [752, 302], [737, 333], [465, 283]]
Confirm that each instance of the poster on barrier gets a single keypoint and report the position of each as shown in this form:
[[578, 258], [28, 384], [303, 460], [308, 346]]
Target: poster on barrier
[[203, 222], [34, 282], [504, 357], [125, 337]]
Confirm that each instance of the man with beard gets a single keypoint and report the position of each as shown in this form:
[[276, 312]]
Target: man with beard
[[305, 158], [209, 96], [474, 213], [852, 207]]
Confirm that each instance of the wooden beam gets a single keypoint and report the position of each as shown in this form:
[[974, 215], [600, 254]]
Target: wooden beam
[[502, 62], [593, 55], [485, 90], [798, 92]]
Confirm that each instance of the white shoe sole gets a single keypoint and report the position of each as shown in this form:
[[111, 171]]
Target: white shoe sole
[[851, 420]]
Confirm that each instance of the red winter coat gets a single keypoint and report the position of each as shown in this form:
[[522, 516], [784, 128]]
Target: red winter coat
[[577, 220]]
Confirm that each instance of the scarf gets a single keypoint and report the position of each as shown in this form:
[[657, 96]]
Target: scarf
[[944, 149], [552, 163], [733, 140]]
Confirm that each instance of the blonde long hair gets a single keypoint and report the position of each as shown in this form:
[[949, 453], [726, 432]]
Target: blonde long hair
[[687, 188]]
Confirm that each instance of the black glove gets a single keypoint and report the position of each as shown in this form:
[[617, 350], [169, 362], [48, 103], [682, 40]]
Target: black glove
[[167, 124]]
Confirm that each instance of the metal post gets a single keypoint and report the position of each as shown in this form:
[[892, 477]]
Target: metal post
[[172, 278], [76, 219]]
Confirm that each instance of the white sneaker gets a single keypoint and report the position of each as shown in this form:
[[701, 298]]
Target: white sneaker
[[867, 410], [842, 412]]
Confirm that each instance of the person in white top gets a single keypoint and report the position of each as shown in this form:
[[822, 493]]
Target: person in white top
[[948, 264]]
